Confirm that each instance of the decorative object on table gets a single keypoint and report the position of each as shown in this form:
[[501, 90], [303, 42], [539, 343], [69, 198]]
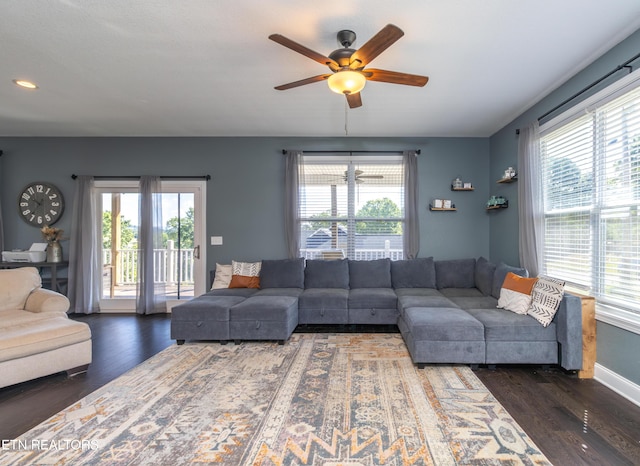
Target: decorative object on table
[[40, 203], [53, 236]]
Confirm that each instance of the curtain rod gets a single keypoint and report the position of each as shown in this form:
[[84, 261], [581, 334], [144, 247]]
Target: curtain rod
[[197, 177], [284, 151], [625, 65]]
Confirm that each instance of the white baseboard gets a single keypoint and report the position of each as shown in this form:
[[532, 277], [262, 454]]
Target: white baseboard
[[617, 383]]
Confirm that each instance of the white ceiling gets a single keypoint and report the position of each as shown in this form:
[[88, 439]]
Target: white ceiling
[[207, 68]]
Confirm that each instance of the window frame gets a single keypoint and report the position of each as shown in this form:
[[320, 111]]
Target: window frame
[[351, 218], [608, 309]]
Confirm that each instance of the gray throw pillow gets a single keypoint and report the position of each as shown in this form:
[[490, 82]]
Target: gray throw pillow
[[498, 277], [485, 271], [413, 273], [327, 274], [456, 273], [282, 273], [370, 274]]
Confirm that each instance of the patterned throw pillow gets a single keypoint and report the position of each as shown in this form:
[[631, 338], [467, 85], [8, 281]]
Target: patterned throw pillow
[[245, 274], [515, 294], [546, 296], [222, 277]]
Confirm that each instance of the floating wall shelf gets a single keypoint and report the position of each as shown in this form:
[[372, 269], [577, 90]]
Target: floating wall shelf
[[508, 180]]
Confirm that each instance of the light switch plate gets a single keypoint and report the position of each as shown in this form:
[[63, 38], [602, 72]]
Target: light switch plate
[[216, 241]]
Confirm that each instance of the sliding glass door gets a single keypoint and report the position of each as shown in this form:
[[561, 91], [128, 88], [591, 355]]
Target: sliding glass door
[[179, 263]]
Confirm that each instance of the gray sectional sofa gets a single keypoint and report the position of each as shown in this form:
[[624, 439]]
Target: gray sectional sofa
[[445, 310]]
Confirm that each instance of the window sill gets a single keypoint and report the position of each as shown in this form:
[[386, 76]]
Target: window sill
[[618, 317]]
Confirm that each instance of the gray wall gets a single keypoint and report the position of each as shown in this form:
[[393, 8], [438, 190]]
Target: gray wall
[[616, 347], [245, 195]]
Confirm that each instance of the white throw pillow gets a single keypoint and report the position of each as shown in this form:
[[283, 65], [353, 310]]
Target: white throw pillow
[[222, 277], [546, 297]]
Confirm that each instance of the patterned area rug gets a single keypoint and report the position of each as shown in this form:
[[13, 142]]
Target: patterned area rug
[[321, 399]]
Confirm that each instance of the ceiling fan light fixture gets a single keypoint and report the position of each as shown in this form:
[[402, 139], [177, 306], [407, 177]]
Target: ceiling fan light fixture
[[25, 84], [346, 82]]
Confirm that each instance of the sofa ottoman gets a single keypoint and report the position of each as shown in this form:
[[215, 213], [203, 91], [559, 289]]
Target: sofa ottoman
[[263, 317], [203, 318], [442, 335]]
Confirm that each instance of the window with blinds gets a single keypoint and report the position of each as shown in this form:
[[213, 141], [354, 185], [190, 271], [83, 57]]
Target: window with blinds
[[351, 207], [591, 185]]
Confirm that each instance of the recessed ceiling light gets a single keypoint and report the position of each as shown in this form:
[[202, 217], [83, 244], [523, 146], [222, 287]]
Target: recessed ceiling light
[[25, 84]]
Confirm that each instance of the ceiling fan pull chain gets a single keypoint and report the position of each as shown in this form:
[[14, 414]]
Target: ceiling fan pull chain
[[346, 118]]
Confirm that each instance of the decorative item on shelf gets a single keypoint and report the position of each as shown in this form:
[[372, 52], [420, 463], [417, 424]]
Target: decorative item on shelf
[[53, 236], [459, 185], [497, 202], [442, 204], [510, 176]]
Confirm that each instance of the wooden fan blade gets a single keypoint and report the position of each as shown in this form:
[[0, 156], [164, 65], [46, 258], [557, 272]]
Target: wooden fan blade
[[373, 177], [307, 52], [375, 46], [395, 78], [302, 82], [354, 100]]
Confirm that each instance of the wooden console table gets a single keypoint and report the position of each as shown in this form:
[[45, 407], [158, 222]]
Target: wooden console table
[[42, 266]]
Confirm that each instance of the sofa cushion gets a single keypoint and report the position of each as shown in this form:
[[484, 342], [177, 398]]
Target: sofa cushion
[[245, 274], [474, 302], [372, 298], [406, 302], [222, 276], [413, 273], [284, 273], [484, 273], [502, 325], [501, 272], [16, 285], [324, 298], [442, 324], [38, 337], [242, 292], [370, 274], [456, 273], [205, 308], [515, 294], [327, 274], [546, 296]]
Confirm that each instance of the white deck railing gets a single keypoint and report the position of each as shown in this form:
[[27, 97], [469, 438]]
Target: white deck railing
[[359, 254], [170, 265]]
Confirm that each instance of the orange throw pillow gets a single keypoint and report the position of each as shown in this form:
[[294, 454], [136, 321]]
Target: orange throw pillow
[[243, 281]]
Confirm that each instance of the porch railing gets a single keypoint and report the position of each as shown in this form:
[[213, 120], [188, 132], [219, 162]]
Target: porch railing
[[170, 265]]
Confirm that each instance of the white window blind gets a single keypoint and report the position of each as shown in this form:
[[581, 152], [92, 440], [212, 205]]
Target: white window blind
[[591, 186], [351, 207]]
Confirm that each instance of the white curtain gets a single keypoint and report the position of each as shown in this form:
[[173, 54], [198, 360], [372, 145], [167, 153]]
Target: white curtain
[[291, 204], [530, 209], [151, 295], [411, 230], [84, 263]]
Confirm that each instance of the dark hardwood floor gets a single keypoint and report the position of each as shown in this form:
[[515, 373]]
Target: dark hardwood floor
[[573, 421]]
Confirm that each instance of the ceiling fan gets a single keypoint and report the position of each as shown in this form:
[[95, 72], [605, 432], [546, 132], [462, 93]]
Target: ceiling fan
[[348, 74], [359, 176]]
